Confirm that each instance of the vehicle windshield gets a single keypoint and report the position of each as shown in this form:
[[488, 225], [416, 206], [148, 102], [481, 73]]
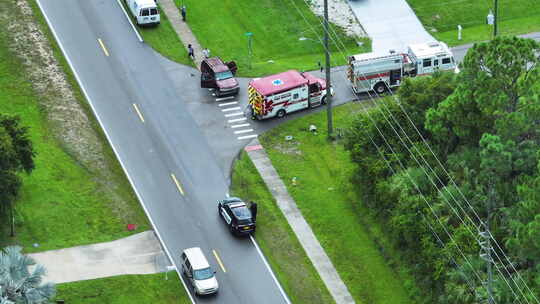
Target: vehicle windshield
[[224, 75], [241, 212], [203, 274]]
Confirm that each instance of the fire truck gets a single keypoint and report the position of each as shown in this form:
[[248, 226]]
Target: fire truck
[[381, 71], [279, 94]]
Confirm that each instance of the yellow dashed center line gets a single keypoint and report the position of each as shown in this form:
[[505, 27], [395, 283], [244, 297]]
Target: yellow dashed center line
[[138, 112], [177, 184], [219, 261], [103, 47]]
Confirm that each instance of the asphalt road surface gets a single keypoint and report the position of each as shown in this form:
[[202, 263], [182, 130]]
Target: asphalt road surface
[[160, 146]]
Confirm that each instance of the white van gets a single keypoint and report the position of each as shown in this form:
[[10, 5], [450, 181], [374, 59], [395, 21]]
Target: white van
[[145, 11], [198, 271]]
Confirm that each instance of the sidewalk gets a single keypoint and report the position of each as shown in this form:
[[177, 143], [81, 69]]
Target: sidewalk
[[137, 254], [182, 29], [391, 24], [301, 228]]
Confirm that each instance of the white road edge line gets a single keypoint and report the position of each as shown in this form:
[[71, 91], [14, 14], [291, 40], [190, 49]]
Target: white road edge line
[[224, 98], [113, 147], [243, 131], [236, 120], [247, 136], [230, 109], [130, 22], [234, 114], [227, 103], [240, 126], [270, 269]]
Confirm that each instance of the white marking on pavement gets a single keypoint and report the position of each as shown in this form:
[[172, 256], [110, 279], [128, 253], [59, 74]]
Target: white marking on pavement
[[239, 126], [247, 136], [230, 109], [243, 131], [103, 47], [236, 119], [177, 184], [83, 88], [138, 112], [224, 98], [269, 269], [129, 20], [234, 114], [227, 103]]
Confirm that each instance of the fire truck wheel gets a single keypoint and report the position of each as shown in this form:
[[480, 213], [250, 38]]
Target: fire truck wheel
[[380, 88], [281, 113]]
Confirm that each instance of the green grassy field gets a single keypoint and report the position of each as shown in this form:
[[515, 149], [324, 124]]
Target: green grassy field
[[61, 203], [515, 17], [276, 239], [128, 289], [276, 25], [325, 196]]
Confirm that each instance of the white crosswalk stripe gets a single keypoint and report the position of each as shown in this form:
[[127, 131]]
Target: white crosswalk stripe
[[243, 131], [236, 119], [234, 114], [227, 103], [247, 136], [240, 126], [230, 109], [224, 98]]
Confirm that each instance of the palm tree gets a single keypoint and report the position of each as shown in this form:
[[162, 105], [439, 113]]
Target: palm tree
[[17, 283]]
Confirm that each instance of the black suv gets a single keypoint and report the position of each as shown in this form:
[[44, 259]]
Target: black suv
[[237, 215]]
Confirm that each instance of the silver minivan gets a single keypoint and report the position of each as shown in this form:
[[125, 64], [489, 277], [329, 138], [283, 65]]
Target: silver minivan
[[198, 271]]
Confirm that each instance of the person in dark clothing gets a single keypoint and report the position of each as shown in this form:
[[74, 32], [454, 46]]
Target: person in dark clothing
[[183, 12], [253, 209], [191, 52]]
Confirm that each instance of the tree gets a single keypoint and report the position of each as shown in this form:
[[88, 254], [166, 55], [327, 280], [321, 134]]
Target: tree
[[17, 283], [16, 155]]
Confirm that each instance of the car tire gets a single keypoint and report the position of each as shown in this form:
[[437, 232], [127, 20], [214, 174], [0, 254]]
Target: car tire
[[380, 88], [281, 113], [323, 100]]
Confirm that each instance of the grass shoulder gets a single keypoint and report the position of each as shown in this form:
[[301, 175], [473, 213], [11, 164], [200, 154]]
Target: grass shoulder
[[362, 255], [128, 289], [276, 239], [276, 27]]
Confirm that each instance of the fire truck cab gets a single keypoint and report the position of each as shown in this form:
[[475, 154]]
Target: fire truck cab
[[279, 94], [381, 71]]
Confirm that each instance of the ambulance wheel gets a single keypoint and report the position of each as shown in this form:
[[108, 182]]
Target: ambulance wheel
[[281, 113], [380, 88]]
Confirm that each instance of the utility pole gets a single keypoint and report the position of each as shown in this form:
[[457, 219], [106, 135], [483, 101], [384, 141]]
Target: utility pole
[[249, 35], [495, 19], [328, 89], [486, 249]]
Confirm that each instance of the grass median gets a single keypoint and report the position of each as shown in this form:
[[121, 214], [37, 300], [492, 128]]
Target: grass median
[[128, 289], [355, 243], [441, 19], [277, 26], [276, 239]]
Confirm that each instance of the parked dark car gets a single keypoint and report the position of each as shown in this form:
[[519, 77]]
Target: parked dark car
[[220, 76], [237, 216]]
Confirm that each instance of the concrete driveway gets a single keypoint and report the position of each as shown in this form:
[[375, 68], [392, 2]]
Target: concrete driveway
[[391, 24]]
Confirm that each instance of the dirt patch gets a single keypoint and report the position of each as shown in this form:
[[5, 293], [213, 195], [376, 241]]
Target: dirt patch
[[340, 14], [68, 120]]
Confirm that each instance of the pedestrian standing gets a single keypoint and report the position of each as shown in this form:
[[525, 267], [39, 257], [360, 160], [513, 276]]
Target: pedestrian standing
[[191, 52], [206, 53], [253, 209], [183, 12]]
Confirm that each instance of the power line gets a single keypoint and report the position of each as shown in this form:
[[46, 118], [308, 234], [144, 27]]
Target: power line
[[452, 181]]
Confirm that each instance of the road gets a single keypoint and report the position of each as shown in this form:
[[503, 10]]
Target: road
[[161, 148]]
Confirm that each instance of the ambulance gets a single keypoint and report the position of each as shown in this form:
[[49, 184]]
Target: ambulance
[[283, 93], [381, 71]]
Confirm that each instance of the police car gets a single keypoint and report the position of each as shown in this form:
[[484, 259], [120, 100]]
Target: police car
[[237, 215]]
